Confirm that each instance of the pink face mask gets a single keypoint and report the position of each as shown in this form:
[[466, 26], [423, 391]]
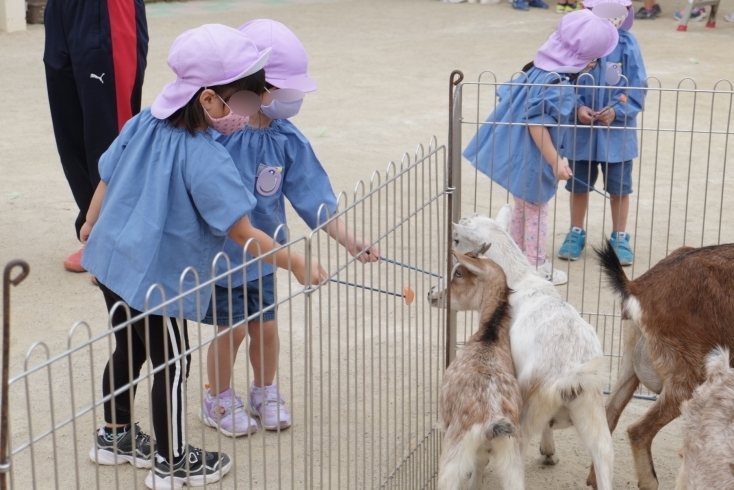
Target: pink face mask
[[229, 124]]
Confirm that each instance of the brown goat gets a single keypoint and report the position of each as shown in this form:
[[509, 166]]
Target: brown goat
[[682, 309], [480, 397], [708, 431]]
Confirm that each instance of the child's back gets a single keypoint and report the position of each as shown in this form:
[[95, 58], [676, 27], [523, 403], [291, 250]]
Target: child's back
[[184, 182]]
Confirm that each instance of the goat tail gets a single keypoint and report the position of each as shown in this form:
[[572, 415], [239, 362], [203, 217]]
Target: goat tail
[[612, 268], [581, 379], [717, 362], [500, 427]]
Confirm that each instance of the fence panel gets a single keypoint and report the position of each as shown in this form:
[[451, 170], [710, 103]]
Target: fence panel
[[360, 361], [681, 184]]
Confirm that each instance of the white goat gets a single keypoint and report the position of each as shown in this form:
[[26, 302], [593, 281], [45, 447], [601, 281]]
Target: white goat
[[480, 397], [708, 441], [556, 353]]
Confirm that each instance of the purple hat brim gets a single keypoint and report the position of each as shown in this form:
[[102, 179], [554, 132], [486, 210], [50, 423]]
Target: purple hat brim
[[178, 93], [303, 83]]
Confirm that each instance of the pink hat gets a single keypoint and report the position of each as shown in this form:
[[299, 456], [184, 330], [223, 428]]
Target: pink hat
[[288, 63], [581, 38], [209, 55]]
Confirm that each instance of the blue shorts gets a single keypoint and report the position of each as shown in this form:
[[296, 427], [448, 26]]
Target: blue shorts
[[239, 296], [617, 177]]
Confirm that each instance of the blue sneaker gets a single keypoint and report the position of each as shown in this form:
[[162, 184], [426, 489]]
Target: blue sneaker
[[573, 245], [520, 5], [621, 244], [538, 4]]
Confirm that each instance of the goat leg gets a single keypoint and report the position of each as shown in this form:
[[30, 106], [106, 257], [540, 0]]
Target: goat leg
[[625, 386], [548, 446], [642, 433]]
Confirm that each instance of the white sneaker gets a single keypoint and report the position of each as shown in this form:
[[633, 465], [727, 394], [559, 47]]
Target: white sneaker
[[547, 272], [729, 17]]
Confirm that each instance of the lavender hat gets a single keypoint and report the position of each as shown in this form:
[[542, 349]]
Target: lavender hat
[[581, 38], [288, 63], [209, 55]]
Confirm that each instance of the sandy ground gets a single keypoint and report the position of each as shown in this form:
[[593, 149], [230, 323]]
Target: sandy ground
[[382, 67]]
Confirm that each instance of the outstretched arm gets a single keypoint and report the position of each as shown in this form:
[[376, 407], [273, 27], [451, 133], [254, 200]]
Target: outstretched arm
[[541, 137], [243, 231], [339, 231]]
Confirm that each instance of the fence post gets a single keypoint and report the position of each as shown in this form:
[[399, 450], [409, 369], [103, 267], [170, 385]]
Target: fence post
[[453, 191], [7, 281]]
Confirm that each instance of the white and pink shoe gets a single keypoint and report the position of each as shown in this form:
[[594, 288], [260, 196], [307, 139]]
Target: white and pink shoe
[[268, 405]]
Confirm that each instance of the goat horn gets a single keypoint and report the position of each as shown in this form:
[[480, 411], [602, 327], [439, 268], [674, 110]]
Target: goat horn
[[481, 249]]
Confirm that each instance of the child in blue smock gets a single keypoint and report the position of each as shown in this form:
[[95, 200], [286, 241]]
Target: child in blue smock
[[275, 161], [168, 198], [518, 147], [592, 146]]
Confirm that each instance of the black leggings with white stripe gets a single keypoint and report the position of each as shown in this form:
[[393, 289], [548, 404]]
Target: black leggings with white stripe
[[166, 402]]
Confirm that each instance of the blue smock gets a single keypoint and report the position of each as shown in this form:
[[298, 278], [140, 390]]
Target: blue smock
[[170, 202], [598, 143], [506, 153], [279, 148]]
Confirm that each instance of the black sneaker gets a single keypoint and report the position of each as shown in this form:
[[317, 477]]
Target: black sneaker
[[103, 451], [204, 468], [656, 8], [647, 14]]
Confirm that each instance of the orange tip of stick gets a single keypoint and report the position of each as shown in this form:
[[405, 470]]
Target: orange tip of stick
[[623, 98], [409, 295]]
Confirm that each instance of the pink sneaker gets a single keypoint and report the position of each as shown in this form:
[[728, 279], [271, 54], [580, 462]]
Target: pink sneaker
[[228, 416], [269, 406], [73, 262]]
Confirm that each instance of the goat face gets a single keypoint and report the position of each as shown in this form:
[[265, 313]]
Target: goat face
[[470, 278], [470, 233]]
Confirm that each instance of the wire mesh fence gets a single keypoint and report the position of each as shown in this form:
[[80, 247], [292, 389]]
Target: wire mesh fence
[[360, 362], [681, 184]]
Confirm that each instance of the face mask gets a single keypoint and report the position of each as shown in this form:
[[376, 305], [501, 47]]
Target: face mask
[[279, 109], [229, 124]]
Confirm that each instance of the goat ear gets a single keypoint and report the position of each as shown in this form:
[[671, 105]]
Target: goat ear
[[470, 262], [504, 217]]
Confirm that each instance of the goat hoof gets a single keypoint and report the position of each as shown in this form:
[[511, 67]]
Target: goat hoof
[[550, 460], [591, 484]]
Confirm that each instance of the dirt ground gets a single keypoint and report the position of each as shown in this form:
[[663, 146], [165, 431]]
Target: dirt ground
[[383, 68]]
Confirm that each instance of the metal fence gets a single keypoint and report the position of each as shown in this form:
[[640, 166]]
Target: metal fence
[[360, 364], [682, 186]]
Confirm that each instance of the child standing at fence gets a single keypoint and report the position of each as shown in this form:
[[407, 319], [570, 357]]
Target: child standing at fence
[[169, 196], [525, 159], [275, 161], [590, 147]]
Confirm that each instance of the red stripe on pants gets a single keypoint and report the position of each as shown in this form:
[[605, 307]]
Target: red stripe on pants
[[124, 55]]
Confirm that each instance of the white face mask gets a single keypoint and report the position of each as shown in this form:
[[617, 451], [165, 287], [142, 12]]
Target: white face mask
[[286, 103], [229, 124]]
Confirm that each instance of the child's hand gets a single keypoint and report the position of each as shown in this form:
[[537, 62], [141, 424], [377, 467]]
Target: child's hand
[[84, 232], [605, 116], [584, 114], [317, 274], [562, 171], [370, 254]]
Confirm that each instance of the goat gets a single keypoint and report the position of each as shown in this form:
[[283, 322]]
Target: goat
[[480, 398], [708, 432], [676, 313], [556, 353]]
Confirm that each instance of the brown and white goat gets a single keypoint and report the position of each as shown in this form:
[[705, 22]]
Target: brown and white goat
[[673, 316], [556, 353], [480, 397], [708, 432]]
